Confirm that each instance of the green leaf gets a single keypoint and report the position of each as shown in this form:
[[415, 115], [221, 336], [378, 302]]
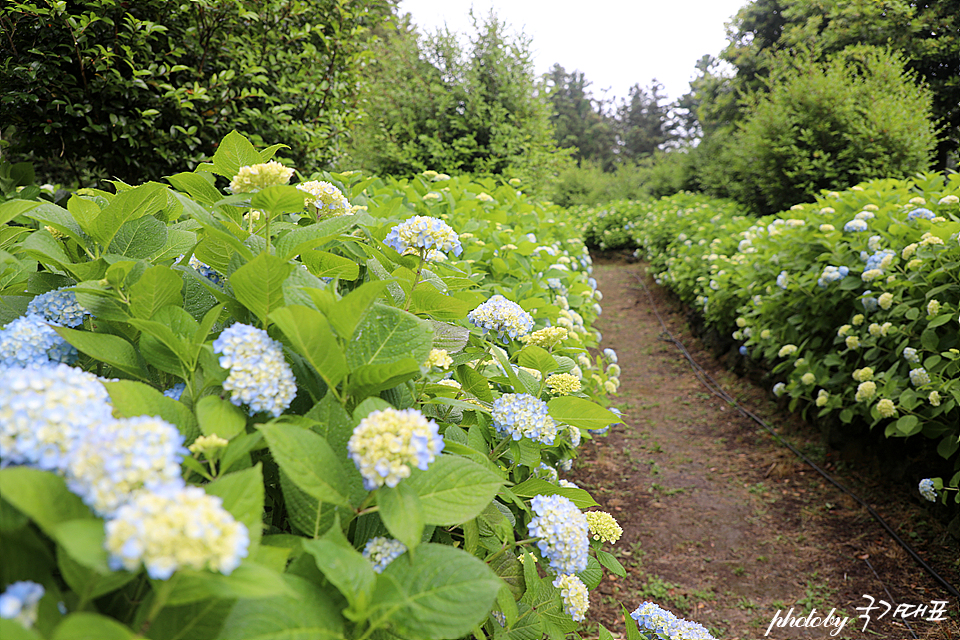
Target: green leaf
[[442, 592], [387, 335], [474, 383], [127, 205], [220, 416], [453, 490], [130, 399], [345, 568], [249, 580], [258, 285], [449, 337], [279, 199], [43, 497], [91, 626], [535, 486], [310, 335], [605, 634], [305, 613], [535, 357], [580, 413], [302, 240], [427, 300], [86, 581], [371, 379], [13, 208], [908, 425], [633, 631], [267, 154], [308, 461], [234, 151], [940, 320], [930, 340], [13, 630], [83, 540], [242, 493], [329, 265], [112, 350], [158, 287], [345, 314], [140, 238], [197, 185], [401, 513], [592, 575], [610, 562]]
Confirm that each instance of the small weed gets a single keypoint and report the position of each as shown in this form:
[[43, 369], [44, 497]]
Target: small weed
[[739, 571], [817, 594], [746, 605], [762, 559], [664, 490]]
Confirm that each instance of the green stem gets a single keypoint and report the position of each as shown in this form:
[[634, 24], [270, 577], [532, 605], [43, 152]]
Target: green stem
[[416, 280], [500, 448], [160, 597]]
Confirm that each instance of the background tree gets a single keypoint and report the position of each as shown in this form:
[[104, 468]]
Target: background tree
[[106, 89], [643, 124], [579, 120], [439, 102]]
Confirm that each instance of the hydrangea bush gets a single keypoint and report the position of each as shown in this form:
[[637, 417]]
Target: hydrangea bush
[[871, 281], [237, 399]]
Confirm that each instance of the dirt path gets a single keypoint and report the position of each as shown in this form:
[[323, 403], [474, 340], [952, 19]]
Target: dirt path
[[721, 524]]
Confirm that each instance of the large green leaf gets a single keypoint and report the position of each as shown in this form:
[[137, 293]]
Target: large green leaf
[[537, 358], [242, 494], [402, 514], [127, 205], [388, 335], [300, 241], [197, 185], [345, 568], [130, 399], [324, 264], [371, 379], [234, 151], [84, 580], [13, 208], [279, 199], [107, 348], [310, 335], [535, 486], [581, 413], [308, 461], [83, 540], [453, 490], [259, 284], [345, 314], [305, 613], [158, 287], [83, 625], [249, 580], [42, 496], [140, 238], [427, 300], [441, 592], [221, 417]]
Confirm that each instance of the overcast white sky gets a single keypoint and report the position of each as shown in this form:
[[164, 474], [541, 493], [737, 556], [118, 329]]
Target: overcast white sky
[[616, 44]]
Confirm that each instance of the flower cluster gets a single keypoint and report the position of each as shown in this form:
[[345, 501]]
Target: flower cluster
[[603, 526], [546, 338], [259, 375], [59, 307], [255, 177], [520, 415], [855, 225], [20, 602], [787, 350], [928, 490], [382, 551], [866, 391], [919, 377], [576, 598], [563, 533], [910, 355], [831, 274], [205, 270], [121, 456], [921, 213], [563, 384], [886, 408], [438, 358], [423, 233], [45, 410], [650, 617], [29, 340], [387, 443], [173, 527], [325, 197], [502, 316]]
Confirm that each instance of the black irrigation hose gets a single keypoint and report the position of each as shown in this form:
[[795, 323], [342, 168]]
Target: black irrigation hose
[[887, 591], [715, 388]]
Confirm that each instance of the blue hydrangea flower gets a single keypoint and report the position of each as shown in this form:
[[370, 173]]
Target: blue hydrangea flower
[[20, 602], [59, 307], [832, 274], [520, 415], [175, 391], [743, 350], [575, 597], [910, 355], [855, 225], [563, 531], [259, 375], [546, 472], [423, 233], [382, 551], [29, 340], [870, 304], [654, 619], [921, 213], [610, 354], [45, 410], [919, 377], [205, 270], [386, 444], [782, 280], [502, 316], [928, 490], [876, 261], [116, 458]]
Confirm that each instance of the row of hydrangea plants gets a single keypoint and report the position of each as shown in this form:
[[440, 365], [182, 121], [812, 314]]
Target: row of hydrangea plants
[[852, 301], [232, 407]]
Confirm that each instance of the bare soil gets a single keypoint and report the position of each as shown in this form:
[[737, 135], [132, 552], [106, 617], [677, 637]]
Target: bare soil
[[725, 526]]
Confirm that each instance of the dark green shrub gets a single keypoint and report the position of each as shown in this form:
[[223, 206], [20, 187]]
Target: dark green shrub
[[827, 126], [104, 88]]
